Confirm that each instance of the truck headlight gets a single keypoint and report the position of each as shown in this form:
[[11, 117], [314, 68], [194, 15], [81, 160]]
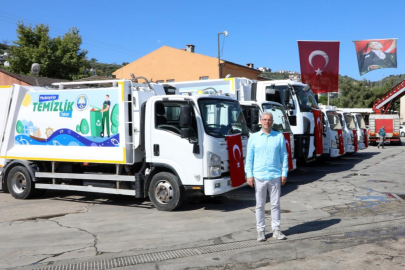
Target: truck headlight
[[333, 144], [214, 165]]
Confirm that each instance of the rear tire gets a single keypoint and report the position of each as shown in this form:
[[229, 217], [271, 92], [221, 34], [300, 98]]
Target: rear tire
[[166, 191], [19, 183]]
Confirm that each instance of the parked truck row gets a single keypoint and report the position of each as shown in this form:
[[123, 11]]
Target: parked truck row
[[156, 140]]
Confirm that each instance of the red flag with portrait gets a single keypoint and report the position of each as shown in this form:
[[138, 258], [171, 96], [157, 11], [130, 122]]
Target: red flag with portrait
[[341, 142], [235, 152], [375, 54], [318, 131], [355, 141], [319, 62], [288, 147]]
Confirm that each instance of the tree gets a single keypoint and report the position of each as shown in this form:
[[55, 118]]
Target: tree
[[59, 57]]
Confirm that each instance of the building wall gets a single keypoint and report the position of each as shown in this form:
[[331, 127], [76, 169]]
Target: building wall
[[8, 80], [238, 71], [167, 63]]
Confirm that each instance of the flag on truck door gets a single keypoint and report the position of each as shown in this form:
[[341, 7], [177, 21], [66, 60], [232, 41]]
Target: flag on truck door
[[365, 137], [288, 147], [375, 54], [341, 143], [318, 130], [355, 141], [236, 165], [319, 62]]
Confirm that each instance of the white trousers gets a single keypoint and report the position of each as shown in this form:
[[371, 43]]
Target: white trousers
[[273, 187]]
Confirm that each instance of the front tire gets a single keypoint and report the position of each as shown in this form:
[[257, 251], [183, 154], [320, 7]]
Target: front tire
[[166, 191], [19, 183]]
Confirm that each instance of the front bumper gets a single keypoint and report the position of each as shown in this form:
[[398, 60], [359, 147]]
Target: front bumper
[[219, 186], [349, 148], [334, 153]]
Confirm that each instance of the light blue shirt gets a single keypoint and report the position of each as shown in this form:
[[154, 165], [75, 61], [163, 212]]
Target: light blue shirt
[[267, 156]]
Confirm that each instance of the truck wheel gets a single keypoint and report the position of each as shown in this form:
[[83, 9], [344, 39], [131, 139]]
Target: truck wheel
[[19, 183], [165, 191]]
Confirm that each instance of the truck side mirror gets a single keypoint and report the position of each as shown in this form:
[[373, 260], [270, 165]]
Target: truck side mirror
[[254, 117], [286, 96], [185, 116]]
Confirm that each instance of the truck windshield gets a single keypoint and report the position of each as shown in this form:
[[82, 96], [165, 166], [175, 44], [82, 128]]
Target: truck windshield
[[222, 117], [349, 121], [360, 121], [334, 121], [280, 122], [306, 99]]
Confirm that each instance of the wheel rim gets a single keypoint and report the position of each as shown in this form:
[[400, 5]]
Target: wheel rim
[[164, 192], [18, 183]]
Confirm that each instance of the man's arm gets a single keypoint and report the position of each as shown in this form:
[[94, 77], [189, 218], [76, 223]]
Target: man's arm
[[249, 162], [284, 161]]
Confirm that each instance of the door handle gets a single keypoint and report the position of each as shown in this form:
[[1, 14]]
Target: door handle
[[156, 151]]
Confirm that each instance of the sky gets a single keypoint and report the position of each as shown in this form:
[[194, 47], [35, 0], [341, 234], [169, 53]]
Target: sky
[[264, 33]]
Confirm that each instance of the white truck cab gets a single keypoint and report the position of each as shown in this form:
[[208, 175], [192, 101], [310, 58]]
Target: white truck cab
[[361, 131], [299, 103], [333, 141], [349, 126]]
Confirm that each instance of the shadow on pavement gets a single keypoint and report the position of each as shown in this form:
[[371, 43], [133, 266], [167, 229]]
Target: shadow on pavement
[[312, 226]]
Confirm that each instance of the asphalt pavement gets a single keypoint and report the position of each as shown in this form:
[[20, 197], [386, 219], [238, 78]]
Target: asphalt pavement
[[340, 213]]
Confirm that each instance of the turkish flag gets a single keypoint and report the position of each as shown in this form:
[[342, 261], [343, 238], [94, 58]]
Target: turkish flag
[[236, 165], [319, 62], [288, 146], [341, 143], [356, 147], [318, 131], [365, 137]]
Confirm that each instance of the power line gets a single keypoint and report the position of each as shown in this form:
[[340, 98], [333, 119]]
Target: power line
[[10, 18]]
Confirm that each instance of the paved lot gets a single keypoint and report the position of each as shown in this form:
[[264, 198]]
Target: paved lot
[[337, 214]]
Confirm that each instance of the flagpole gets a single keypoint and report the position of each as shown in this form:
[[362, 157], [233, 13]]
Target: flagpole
[[328, 98]]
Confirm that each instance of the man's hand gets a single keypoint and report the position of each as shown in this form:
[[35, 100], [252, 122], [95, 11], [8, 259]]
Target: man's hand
[[251, 181], [283, 180]]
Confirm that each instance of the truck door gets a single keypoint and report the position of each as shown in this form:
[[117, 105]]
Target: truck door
[[169, 149]]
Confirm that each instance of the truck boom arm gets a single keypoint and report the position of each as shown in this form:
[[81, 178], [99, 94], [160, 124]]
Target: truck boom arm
[[381, 105]]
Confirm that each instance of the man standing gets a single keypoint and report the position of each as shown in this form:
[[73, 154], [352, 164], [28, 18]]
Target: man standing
[[381, 132], [266, 169], [106, 115]]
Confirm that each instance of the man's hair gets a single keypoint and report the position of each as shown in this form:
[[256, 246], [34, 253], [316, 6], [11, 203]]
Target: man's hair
[[267, 113], [379, 44], [107, 95]]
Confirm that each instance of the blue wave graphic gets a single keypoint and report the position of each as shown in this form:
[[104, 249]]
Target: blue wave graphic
[[67, 137]]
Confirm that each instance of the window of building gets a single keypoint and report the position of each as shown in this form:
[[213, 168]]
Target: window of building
[[170, 80], [204, 78], [160, 81]]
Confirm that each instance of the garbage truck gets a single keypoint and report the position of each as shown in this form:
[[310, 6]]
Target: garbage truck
[[349, 132], [126, 138], [333, 140], [303, 113], [241, 89]]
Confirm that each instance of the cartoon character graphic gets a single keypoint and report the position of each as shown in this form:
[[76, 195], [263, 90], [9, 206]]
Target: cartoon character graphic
[[106, 117]]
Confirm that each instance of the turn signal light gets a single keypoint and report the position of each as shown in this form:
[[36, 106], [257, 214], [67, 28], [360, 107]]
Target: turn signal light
[[396, 134], [372, 133]]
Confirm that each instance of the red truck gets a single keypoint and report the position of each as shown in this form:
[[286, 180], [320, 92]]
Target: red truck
[[381, 118]]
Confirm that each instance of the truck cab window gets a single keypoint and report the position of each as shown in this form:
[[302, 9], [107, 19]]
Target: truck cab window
[[167, 117]]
